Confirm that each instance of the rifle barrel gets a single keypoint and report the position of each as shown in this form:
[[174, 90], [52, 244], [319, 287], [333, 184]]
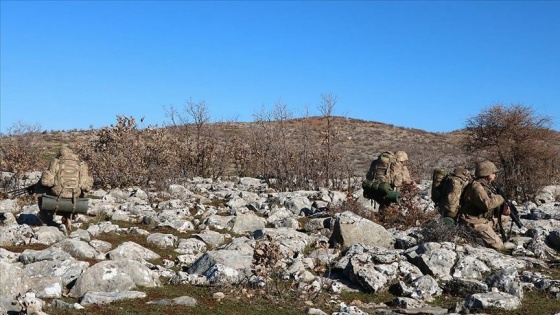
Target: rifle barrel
[[513, 213], [18, 192]]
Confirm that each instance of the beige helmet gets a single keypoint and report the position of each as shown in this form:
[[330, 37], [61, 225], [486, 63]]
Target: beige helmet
[[462, 173], [401, 156], [485, 168]]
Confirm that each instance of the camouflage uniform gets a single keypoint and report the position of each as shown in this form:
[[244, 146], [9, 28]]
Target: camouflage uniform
[[401, 176], [480, 204], [48, 181], [398, 176]]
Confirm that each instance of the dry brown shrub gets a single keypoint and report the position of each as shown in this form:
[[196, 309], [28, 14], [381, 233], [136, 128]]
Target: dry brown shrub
[[353, 206], [122, 155], [518, 141], [406, 213], [20, 150], [436, 231]]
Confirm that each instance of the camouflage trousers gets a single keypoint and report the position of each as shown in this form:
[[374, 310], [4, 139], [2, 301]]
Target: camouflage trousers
[[485, 229]]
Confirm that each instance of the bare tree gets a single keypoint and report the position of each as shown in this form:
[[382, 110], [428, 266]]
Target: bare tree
[[198, 150], [521, 143], [272, 147], [330, 135]]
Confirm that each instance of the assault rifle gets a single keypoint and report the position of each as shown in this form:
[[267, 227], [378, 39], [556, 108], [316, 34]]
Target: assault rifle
[[30, 190], [513, 213]]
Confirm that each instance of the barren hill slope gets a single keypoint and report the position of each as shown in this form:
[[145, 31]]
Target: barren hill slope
[[359, 140]]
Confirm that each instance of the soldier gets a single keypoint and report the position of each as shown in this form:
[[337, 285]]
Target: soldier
[[66, 178], [385, 178], [401, 176], [481, 204]]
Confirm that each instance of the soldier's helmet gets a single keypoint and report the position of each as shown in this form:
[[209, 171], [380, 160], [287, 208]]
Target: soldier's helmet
[[485, 168], [461, 172], [401, 156]]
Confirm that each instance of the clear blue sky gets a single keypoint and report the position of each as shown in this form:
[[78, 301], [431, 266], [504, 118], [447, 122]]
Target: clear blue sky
[[420, 64]]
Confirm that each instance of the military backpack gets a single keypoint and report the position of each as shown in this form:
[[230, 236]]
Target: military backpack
[[379, 179], [447, 190]]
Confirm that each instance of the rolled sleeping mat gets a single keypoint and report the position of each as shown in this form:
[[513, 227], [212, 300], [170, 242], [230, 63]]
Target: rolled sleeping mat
[[384, 188], [388, 193], [392, 196], [50, 203]]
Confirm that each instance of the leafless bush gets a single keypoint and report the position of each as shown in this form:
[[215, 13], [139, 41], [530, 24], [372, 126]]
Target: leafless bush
[[353, 206], [122, 155], [406, 213], [521, 143], [200, 150], [19, 150], [271, 147], [438, 231], [267, 264]]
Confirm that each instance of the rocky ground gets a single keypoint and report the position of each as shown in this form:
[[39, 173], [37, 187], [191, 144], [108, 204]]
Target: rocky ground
[[240, 232]]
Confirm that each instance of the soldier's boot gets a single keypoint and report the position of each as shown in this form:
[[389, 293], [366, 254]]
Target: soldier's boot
[[67, 222]]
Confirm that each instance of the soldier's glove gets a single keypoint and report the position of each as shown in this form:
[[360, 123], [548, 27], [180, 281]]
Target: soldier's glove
[[506, 210]]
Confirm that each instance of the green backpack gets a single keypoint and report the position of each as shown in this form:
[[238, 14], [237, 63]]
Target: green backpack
[[378, 182]]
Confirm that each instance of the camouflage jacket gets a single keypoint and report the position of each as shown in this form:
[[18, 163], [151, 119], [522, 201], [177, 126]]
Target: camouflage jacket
[[400, 175], [480, 199]]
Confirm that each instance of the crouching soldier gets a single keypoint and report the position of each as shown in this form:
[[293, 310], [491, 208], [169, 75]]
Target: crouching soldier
[[480, 205]]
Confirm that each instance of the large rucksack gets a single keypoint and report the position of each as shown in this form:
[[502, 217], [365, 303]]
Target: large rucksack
[[447, 190], [380, 168], [67, 176], [378, 184]]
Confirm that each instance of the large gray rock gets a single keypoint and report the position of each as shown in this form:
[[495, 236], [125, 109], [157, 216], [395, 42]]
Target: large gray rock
[[131, 250], [553, 238], [9, 205], [162, 240], [47, 235], [77, 248], [211, 238], [29, 256], [47, 287], [506, 280], [11, 280], [297, 204], [247, 222], [469, 267], [223, 266], [67, 270], [114, 276], [15, 235], [498, 300], [350, 229], [434, 259]]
